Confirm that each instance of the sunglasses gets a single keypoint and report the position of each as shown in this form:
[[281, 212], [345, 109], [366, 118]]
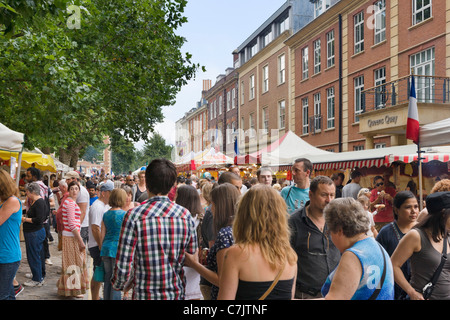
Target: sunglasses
[[379, 184]]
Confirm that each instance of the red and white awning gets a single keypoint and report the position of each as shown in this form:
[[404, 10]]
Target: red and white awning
[[426, 157], [351, 164]]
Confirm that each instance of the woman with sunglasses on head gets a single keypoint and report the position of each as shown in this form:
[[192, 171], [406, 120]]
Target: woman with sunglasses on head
[[381, 199]]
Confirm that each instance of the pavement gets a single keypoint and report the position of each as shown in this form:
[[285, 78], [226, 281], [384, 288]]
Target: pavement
[[49, 290]]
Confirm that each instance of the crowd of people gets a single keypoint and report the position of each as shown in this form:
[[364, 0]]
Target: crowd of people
[[158, 235]]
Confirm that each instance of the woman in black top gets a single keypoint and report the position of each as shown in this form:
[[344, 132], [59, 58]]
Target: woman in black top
[[34, 234]]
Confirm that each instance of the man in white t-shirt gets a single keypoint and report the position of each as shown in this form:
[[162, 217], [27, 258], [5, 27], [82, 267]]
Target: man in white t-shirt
[[96, 211]]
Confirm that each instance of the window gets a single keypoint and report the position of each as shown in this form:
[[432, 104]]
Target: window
[[252, 87], [254, 50], [320, 6], [380, 145], [251, 125], [380, 21], [359, 32], [281, 69], [284, 25], [330, 49], [380, 88], [358, 148], [228, 134], [317, 112], [305, 120], [421, 10], [317, 56], [265, 87], [282, 113], [220, 104], [210, 111], [242, 92], [359, 103], [266, 118], [330, 108], [215, 108], [267, 38], [423, 65], [233, 98], [305, 63]]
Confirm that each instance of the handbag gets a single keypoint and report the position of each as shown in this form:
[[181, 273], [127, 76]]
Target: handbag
[[99, 273], [429, 287], [274, 283]]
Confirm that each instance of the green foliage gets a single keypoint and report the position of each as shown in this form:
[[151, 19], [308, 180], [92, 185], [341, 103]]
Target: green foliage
[[66, 88]]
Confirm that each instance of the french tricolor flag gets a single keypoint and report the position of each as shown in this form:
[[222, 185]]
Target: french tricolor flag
[[412, 126]]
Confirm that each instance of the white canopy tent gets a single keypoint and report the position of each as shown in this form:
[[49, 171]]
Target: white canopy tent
[[12, 141], [435, 133]]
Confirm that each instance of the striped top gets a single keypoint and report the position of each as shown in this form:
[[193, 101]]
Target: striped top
[[154, 239], [71, 217]]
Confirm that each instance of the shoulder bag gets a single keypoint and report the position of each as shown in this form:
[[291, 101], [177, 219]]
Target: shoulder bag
[[274, 283]]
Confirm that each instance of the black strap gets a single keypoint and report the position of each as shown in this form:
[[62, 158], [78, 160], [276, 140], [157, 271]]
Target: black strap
[[383, 276], [441, 265]]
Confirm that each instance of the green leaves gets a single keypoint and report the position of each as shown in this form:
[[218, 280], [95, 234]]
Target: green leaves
[[112, 75]]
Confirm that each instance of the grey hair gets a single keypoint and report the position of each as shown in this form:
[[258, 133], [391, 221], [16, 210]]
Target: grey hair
[[63, 183], [34, 188], [348, 215]]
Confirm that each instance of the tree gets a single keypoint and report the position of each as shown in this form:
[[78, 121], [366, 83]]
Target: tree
[[156, 148], [67, 88]]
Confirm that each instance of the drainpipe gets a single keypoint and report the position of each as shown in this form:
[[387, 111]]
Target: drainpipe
[[340, 83]]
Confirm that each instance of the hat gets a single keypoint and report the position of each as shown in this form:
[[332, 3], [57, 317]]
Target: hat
[[107, 186], [438, 201], [72, 175]]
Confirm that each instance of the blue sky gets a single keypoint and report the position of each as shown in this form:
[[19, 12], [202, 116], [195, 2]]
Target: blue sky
[[214, 29]]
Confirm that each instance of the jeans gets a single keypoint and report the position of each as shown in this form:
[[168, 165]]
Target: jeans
[[7, 274], [108, 292], [34, 243]]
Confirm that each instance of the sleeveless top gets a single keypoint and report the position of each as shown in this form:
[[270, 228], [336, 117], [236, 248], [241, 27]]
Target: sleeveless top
[[370, 255], [423, 265], [10, 237], [113, 223], [253, 290]]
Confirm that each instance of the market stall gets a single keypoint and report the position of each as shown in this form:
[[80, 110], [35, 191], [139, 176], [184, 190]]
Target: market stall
[[12, 141]]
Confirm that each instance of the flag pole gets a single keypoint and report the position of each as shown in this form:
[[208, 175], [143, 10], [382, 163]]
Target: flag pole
[[419, 159]]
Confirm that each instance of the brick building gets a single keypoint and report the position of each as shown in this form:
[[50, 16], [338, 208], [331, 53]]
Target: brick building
[[263, 64], [222, 99], [351, 67]]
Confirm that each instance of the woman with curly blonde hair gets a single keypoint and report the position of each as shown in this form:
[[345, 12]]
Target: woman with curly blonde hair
[[261, 264]]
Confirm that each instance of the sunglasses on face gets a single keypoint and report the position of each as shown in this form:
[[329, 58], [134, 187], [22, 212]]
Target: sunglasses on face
[[380, 184]]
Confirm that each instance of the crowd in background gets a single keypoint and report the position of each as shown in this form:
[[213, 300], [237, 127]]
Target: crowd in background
[[160, 235]]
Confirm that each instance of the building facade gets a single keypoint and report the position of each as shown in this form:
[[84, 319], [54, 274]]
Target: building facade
[[351, 72], [191, 131], [222, 101], [264, 65]]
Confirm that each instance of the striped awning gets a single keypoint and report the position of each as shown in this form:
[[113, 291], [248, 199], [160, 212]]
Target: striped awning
[[426, 157], [369, 163]]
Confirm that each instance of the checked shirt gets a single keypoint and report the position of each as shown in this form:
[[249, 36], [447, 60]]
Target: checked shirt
[[153, 241]]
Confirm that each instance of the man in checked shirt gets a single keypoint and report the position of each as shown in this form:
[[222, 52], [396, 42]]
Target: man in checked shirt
[[153, 240]]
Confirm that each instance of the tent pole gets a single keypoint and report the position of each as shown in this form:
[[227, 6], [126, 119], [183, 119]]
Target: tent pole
[[18, 168]]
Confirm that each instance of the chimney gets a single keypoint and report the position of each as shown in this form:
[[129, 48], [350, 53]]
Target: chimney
[[207, 85]]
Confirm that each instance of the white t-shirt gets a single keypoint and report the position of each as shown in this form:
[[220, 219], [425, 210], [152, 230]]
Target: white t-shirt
[[83, 197], [96, 212]]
